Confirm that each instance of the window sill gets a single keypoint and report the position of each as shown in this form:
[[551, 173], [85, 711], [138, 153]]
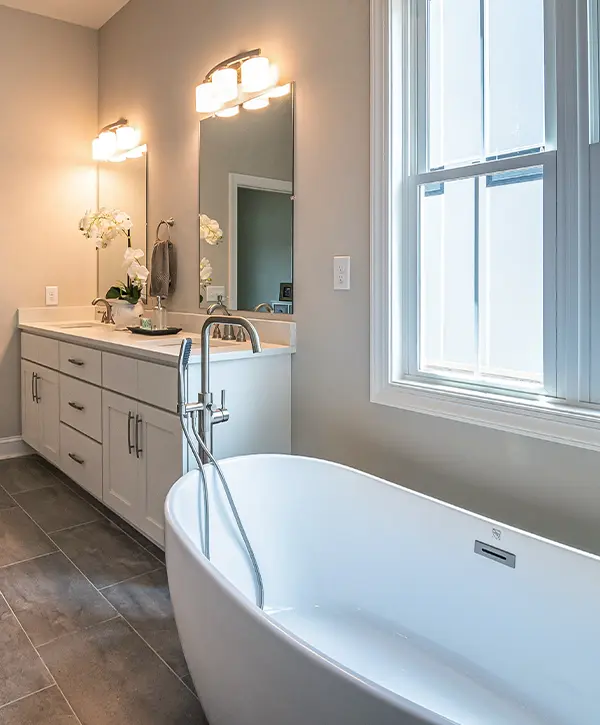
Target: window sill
[[548, 420]]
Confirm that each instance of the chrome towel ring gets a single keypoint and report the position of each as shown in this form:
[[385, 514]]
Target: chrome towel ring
[[170, 222]]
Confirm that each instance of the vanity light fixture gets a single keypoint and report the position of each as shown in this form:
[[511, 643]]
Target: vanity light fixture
[[228, 112], [248, 79], [254, 104], [117, 142]]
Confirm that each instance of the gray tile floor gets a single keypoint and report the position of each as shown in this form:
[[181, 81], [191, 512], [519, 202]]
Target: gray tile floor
[[87, 635]]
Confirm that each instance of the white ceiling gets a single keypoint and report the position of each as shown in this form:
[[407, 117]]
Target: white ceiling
[[91, 13]]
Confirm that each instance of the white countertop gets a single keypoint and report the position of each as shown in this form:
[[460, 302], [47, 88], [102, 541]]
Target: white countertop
[[164, 349]]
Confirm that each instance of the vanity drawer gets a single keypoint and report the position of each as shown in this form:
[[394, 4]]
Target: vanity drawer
[[81, 460], [41, 350], [81, 406], [157, 385], [81, 362], [119, 373]]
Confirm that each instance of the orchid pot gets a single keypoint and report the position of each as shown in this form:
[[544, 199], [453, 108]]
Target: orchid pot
[[125, 314]]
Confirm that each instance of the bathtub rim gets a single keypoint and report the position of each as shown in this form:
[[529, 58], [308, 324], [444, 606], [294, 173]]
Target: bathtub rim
[[290, 638]]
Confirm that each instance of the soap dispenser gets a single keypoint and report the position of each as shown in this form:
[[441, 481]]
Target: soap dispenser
[[159, 317]]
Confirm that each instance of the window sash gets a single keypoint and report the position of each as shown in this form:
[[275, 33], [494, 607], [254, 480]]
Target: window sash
[[417, 135]]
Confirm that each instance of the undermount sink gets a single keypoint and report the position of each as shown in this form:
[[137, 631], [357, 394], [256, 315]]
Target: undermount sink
[[196, 343], [76, 325]]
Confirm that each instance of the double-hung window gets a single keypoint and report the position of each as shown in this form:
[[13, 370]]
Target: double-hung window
[[486, 213]]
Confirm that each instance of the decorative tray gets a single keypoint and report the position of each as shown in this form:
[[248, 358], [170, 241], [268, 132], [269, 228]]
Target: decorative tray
[[155, 333]]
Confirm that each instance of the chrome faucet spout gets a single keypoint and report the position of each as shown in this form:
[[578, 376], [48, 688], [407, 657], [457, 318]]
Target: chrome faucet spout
[[210, 415]]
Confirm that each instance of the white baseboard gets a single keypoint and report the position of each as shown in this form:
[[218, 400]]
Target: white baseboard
[[14, 448]]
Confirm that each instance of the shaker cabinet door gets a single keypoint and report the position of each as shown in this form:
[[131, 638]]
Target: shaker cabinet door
[[49, 414], [120, 479], [30, 419], [161, 465]]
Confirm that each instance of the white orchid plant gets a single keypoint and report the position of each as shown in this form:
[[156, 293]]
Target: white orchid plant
[[206, 271], [210, 231], [104, 226], [137, 276]]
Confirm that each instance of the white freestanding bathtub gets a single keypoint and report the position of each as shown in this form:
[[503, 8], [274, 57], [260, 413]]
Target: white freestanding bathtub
[[379, 610]]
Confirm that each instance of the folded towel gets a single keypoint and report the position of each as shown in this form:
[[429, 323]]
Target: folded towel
[[163, 275]]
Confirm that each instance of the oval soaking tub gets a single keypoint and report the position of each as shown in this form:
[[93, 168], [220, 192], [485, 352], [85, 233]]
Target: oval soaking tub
[[382, 606]]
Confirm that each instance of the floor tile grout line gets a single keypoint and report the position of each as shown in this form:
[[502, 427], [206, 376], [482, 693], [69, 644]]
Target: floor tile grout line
[[32, 558], [129, 579], [30, 694], [69, 528], [40, 658], [150, 647], [95, 507], [76, 631]]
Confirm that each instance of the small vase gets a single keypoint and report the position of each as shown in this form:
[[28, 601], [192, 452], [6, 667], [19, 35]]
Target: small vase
[[125, 314]]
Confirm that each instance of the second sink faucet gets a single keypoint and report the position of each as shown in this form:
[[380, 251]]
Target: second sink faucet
[[228, 333], [107, 317]]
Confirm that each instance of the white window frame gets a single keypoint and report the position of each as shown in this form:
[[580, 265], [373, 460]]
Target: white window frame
[[569, 418]]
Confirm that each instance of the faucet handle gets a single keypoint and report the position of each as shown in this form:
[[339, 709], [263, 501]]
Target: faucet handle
[[217, 332], [241, 335]]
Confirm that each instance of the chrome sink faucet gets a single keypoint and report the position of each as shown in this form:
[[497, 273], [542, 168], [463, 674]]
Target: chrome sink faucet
[[107, 317], [266, 306], [228, 333]]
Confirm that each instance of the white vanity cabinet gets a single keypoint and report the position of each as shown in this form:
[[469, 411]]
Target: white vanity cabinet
[[142, 457], [40, 409], [108, 419]]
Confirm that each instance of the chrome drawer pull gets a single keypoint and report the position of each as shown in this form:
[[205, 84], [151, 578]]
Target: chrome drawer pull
[[74, 361], [138, 446], [77, 459], [77, 406], [130, 419]]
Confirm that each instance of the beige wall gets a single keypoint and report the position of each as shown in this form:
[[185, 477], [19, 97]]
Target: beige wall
[[48, 87], [152, 55]]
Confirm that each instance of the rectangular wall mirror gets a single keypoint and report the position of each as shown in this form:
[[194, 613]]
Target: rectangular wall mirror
[[122, 186], [247, 207]]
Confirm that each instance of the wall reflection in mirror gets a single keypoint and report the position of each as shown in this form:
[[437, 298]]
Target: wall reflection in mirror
[[122, 186], [246, 207]]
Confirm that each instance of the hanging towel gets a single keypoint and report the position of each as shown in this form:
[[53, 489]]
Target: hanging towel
[[163, 275]]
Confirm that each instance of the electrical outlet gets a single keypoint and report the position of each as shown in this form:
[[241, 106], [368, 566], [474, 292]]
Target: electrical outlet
[[213, 292], [341, 273], [51, 296]]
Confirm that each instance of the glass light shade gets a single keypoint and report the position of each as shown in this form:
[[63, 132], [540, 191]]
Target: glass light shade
[[256, 75], [228, 112], [207, 100], [118, 158], [127, 138], [137, 152], [225, 82], [280, 91], [98, 153], [107, 144], [256, 104]]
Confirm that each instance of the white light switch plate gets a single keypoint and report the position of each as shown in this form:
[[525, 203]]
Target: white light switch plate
[[213, 292], [341, 273], [51, 296]]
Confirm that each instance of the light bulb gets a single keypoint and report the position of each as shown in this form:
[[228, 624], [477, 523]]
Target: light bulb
[[256, 74], [254, 104], [280, 91], [225, 82], [127, 138], [108, 143], [207, 100], [228, 112]]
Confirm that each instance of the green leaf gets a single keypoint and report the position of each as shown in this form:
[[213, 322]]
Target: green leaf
[[114, 293]]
